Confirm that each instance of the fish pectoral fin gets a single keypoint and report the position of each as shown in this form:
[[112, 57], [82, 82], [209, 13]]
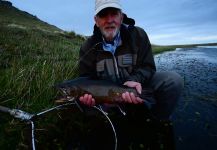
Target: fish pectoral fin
[[118, 99]]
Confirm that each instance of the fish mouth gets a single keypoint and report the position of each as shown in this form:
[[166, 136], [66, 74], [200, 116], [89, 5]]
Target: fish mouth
[[73, 92]]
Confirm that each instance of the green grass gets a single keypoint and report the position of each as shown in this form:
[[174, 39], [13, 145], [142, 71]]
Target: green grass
[[31, 62], [33, 57], [160, 49], [11, 16]]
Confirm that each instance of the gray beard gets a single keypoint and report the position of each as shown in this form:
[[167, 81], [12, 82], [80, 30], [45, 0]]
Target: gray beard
[[109, 36]]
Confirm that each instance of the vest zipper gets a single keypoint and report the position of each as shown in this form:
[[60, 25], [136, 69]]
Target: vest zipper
[[116, 70], [116, 67]]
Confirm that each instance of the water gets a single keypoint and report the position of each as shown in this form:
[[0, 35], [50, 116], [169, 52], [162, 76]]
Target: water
[[195, 118]]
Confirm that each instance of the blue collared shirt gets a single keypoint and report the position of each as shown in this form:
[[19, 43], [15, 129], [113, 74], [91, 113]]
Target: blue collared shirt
[[112, 46]]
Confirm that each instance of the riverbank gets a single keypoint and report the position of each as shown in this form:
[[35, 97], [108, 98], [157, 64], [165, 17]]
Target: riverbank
[[160, 48]]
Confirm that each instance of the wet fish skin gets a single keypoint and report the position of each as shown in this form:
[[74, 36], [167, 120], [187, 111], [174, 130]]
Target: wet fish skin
[[103, 91]]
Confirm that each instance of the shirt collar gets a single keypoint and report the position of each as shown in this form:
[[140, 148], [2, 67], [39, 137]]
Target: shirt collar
[[112, 45]]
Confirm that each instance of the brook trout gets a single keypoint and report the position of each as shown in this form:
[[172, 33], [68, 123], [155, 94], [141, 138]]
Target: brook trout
[[103, 91]]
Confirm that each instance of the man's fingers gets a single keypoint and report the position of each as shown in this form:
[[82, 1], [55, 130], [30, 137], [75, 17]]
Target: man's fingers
[[126, 97], [129, 98], [81, 99], [134, 84], [139, 88], [91, 101], [87, 99], [123, 96], [136, 100], [133, 98], [139, 100]]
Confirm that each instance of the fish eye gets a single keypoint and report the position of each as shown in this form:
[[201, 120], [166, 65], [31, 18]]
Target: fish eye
[[73, 91]]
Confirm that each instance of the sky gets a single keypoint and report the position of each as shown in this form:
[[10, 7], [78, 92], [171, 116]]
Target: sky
[[167, 22]]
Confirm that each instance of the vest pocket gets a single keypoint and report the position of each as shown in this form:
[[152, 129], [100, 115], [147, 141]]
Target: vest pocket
[[125, 60], [100, 66], [105, 69]]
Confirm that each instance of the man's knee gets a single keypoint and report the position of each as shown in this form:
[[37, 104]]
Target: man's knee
[[176, 81], [167, 80], [167, 90]]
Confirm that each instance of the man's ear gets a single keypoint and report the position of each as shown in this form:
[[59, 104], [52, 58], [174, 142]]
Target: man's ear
[[122, 17], [96, 22]]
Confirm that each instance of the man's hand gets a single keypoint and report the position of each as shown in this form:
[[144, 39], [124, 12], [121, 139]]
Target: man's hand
[[130, 97], [87, 99]]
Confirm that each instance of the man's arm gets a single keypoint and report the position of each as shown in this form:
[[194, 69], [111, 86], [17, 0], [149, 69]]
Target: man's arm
[[145, 65], [144, 68]]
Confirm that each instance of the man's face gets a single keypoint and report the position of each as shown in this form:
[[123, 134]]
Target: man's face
[[109, 21]]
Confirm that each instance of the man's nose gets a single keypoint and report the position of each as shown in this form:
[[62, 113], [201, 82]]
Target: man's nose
[[109, 18]]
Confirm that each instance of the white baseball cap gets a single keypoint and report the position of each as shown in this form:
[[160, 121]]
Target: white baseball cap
[[102, 4]]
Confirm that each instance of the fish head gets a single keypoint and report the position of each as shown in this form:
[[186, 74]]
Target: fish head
[[74, 91], [68, 94]]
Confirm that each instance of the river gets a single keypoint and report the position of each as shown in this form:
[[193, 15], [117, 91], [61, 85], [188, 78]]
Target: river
[[195, 118]]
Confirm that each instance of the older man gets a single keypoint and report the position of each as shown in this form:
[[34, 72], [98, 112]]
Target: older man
[[121, 52]]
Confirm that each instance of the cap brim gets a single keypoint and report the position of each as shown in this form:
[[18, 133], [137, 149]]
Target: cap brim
[[112, 5]]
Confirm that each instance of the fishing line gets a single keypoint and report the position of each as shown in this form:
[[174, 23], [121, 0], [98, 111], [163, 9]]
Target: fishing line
[[78, 61], [59, 106], [29, 118], [113, 128], [33, 135]]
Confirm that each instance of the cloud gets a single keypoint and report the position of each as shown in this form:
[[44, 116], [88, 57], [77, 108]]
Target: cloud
[[204, 38], [166, 22], [163, 36]]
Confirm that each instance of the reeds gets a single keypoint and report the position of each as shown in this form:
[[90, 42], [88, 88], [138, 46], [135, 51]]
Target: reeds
[[31, 62]]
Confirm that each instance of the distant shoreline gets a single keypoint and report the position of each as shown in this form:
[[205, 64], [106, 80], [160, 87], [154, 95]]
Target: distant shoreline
[[159, 48]]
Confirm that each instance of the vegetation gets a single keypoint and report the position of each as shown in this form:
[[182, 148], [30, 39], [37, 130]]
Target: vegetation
[[33, 57], [159, 49]]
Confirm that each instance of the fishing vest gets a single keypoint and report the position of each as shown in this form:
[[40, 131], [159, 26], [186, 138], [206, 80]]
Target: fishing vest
[[118, 66], [132, 56]]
